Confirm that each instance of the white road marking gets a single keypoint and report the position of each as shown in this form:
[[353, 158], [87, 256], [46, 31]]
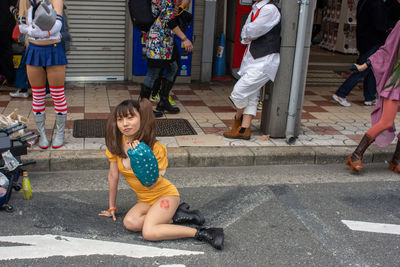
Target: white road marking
[[44, 246], [393, 229]]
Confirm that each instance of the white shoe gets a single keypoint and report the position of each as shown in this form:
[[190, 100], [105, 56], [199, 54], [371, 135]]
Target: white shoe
[[370, 103], [19, 94], [341, 101]]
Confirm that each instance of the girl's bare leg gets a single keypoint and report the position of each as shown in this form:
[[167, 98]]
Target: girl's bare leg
[[56, 75], [157, 223], [36, 76], [134, 219], [246, 122]]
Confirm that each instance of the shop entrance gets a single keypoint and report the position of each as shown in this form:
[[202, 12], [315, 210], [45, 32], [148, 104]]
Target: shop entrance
[[333, 41]]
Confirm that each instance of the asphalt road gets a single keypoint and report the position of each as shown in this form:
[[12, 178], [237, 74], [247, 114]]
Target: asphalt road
[[271, 215]]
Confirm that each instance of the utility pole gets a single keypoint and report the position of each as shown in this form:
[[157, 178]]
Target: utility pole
[[277, 95]]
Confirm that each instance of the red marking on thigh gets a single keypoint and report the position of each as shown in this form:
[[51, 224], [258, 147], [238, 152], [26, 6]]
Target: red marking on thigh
[[164, 204]]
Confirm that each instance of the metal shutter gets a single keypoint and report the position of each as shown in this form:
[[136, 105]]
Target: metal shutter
[[98, 40]]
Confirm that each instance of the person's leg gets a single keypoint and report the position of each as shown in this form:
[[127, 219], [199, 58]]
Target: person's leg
[[348, 85], [56, 78], [37, 79], [157, 225], [157, 222], [148, 83], [369, 79], [245, 98], [134, 219], [237, 98], [387, 119], [167, 83], [21, 82], [156, 87], [384, 123], [369, 88]]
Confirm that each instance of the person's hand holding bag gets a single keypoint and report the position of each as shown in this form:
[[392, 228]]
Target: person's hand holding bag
[[144, 164]]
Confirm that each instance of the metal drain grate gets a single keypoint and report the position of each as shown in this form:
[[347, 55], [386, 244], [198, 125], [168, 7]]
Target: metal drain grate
[[96, 128]]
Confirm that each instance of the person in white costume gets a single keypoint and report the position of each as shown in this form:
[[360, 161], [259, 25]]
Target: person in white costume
[[261, 34]]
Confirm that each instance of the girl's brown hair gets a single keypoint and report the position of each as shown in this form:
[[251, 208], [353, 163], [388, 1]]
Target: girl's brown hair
[[147, 129]]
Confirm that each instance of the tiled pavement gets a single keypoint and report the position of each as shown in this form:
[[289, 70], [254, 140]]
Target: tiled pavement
[[207, 108]]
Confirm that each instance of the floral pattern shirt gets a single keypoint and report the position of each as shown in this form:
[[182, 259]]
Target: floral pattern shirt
[[160, 38]]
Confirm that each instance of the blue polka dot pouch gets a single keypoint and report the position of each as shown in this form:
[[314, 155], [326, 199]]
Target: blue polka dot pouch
[[144, 164]]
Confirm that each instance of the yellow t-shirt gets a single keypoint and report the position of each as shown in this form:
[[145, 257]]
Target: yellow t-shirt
[[161, 188]]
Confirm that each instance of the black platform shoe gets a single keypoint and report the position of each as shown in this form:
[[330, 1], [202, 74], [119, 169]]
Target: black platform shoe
[[213, 236], [184, 215], [164, 105]]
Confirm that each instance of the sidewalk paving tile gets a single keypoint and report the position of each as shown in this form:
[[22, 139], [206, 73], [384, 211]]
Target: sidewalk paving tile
[[207, 108]]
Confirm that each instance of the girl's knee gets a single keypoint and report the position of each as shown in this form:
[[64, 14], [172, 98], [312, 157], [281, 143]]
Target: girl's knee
[[132, 224], [150, 234]]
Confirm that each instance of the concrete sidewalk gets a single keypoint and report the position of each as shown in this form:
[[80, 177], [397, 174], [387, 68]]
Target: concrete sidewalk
[[328, 132]]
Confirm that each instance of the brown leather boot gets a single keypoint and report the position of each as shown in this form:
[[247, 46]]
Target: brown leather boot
[[235, 134], [236, 124], [354, 160], [394, 164]]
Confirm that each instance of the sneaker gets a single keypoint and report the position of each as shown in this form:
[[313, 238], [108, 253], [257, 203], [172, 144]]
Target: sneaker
[[341, 101], [19, 94], [172, 102], [155, 98], [259, 106], [370, 103]]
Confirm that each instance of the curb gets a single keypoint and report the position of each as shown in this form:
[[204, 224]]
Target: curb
[[209, 157]]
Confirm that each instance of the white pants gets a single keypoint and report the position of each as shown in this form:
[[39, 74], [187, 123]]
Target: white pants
[[246, 92]]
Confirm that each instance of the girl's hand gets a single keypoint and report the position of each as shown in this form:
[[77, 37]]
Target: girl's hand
[[108, 213], [132, 145]]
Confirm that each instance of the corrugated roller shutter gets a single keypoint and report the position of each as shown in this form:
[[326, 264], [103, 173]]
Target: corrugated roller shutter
[[98, 40]]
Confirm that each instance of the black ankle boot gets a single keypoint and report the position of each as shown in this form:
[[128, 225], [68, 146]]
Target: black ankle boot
[[184, 215], [164, 104], [213, 236], [156, 88], [145, 91]]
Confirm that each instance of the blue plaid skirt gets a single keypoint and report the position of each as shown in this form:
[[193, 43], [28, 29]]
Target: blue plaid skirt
[[45, 55]]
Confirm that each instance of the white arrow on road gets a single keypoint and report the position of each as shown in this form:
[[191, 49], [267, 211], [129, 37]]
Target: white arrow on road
[[373, 227], [43, 246]]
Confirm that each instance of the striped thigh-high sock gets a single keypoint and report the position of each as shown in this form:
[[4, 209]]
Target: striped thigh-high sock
[[60, 104], [38, 99]]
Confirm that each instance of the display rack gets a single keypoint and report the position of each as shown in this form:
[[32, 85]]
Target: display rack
[[339, 26]]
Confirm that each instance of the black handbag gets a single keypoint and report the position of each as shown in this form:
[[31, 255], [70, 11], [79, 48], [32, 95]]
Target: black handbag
[[184, 19]]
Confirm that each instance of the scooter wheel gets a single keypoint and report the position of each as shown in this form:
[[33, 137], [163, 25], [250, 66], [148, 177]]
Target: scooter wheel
[[9, 208]]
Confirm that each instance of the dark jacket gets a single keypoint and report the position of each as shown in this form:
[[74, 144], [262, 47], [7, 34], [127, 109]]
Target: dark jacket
[[372, 24], [393, 8], [7, 22]]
